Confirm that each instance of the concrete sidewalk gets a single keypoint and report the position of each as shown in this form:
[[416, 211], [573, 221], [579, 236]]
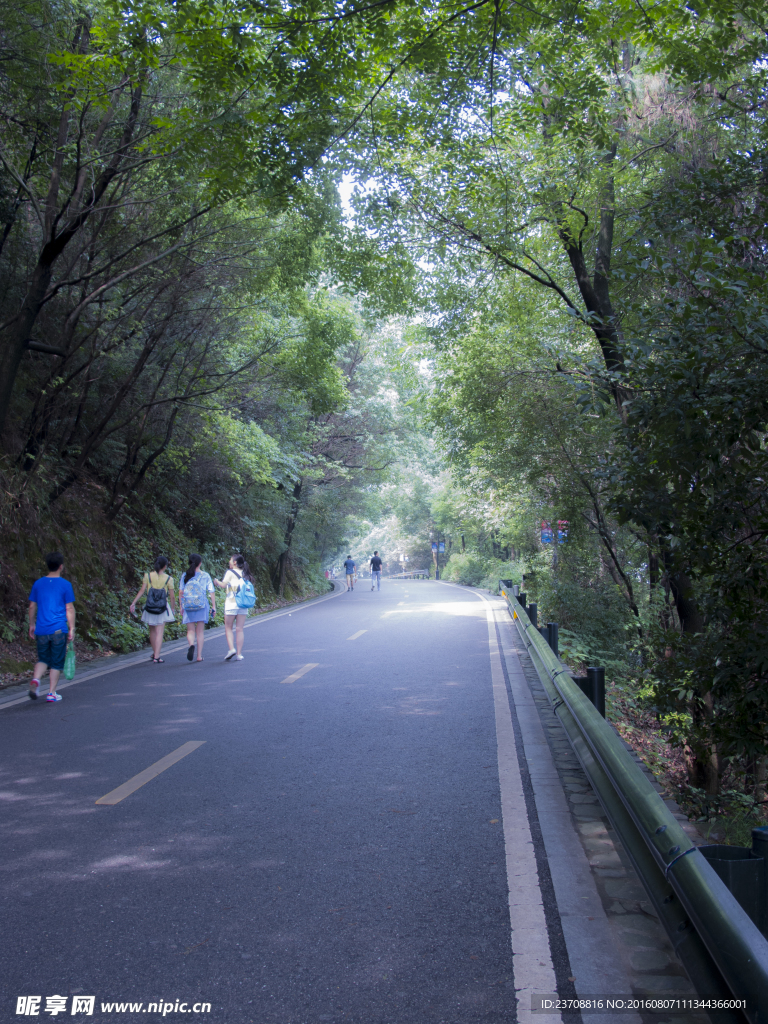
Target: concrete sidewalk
[[18, 694]]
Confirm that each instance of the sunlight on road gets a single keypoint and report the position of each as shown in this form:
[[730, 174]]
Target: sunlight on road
[[473, 608]]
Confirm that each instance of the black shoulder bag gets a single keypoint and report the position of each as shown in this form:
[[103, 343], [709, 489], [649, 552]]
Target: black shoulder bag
[[157, 598]]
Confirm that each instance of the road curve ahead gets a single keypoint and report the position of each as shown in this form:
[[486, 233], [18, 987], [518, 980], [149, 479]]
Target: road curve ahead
[[312, 834]]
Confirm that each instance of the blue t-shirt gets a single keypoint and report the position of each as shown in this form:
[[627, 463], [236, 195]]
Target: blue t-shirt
[[349, 565], [51, 594]]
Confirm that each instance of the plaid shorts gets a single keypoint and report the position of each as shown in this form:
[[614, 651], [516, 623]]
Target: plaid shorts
[[52, 649]]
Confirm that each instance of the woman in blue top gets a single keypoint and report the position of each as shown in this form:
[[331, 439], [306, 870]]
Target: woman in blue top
[[195, 590]]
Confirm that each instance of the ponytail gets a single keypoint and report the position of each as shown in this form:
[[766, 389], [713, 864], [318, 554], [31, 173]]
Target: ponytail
[[194, 561], [243, 567]]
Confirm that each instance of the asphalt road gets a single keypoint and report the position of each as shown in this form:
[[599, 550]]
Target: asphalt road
[[331, 852]]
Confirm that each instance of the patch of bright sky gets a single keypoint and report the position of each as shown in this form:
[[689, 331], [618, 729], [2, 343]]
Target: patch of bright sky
[[345, 187]]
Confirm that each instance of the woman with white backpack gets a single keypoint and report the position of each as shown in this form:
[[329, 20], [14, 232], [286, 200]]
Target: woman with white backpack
[[195, 588], [241, 597]]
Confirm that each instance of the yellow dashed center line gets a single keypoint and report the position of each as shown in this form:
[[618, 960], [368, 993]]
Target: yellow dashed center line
[[149, 773], [300, 672]]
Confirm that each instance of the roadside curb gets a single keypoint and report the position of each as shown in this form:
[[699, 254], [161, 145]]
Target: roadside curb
[[19, 694]]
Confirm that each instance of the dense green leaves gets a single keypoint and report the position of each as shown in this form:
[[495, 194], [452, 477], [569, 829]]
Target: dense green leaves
[[576, 199]]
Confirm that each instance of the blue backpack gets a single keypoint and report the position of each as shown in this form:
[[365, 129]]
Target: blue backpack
[[195, 593], [245, 597]]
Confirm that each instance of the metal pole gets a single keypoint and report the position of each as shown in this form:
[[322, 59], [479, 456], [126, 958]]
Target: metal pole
[[533, 613], [553, 639], [596, 677]]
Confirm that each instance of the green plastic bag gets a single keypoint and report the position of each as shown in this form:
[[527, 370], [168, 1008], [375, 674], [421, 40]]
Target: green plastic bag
[[69, 661]]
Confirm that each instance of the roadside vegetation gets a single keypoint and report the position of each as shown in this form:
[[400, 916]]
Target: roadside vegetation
[[579, 206]]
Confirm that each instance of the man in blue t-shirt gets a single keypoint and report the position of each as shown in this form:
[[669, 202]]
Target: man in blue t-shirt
[[51, 624], [349, 568]]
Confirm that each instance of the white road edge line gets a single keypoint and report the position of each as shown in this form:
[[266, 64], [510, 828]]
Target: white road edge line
[[534, 971]]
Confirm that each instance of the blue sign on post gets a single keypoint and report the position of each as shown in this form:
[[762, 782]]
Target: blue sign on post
[[546, 532], [434, 545], [442, 545]]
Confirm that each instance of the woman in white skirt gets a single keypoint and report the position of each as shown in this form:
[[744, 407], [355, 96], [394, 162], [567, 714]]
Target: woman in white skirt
[[158, 580]]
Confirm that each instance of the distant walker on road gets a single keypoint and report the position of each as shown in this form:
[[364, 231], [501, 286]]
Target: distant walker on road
[[349, 568], [376, 570]]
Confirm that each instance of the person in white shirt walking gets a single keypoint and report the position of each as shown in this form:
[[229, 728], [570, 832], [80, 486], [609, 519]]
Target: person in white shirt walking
[[234, 615]]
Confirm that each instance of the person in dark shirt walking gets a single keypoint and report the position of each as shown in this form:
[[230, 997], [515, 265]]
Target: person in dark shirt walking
[[349, 568], [376, 570], [51, 624]]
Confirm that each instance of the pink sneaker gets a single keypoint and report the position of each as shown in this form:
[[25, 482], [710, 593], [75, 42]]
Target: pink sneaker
[[34, 689]]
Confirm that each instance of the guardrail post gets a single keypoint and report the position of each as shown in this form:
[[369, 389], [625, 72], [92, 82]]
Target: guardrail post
[[743, 873], [522, 597], [533, 612], [584, 685], [596, 678], [553, 638]]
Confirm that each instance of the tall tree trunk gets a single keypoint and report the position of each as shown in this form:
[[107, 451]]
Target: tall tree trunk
[[596, 290], [691, 619], [654, 577], [761, 776], [653, 572], [282, 562], [704, 761]]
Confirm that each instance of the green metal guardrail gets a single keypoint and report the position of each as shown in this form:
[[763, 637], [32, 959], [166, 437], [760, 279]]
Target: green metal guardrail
[[722, 950]]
